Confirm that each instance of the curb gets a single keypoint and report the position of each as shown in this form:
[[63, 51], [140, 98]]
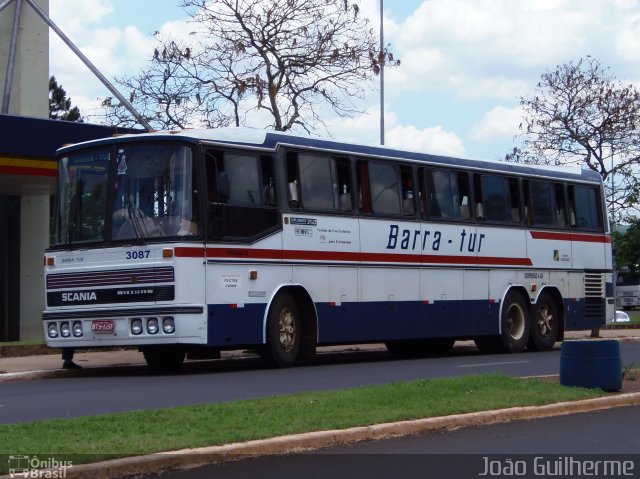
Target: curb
[[191, 458]]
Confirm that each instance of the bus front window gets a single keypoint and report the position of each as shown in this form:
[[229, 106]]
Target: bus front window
[[153, 193], [81, 201], [130, 193]]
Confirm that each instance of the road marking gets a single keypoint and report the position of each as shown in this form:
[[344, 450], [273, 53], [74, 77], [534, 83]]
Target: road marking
[[479, 365]]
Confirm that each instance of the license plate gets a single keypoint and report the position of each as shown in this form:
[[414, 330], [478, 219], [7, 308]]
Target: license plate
[[107, 326]]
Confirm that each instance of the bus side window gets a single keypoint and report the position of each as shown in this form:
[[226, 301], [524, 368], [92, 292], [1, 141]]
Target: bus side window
[[493, 192], [385, 188], [293, 193], [546, 204], [515, 200], [408, 196], [422, 192], [561, 207], [585, 208], [541, 203], [211, 172], [343, 184], [268, 183], [448, 194], [316, 184], [364, 192], [243, 173]]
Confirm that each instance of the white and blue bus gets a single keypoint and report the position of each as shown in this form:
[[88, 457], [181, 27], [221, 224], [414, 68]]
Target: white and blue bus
[[193, 242]]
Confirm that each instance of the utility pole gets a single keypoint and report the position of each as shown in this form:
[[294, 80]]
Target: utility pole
[[382, 62]]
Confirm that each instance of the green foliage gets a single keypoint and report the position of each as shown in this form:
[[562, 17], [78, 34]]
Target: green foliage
[[59, 105], [627, 246]]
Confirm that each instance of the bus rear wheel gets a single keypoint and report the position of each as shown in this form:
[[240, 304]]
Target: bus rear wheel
[[545, 325], [514, 327], [283, 332]]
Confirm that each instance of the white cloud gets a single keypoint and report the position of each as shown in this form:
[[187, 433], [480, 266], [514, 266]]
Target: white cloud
[[77, 15], [115, 48], [455, 45], [365, 129], [628, 39], [498, 123], [433, 140]]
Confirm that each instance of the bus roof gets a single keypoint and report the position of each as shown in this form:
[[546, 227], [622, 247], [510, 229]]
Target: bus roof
[[272, 140]]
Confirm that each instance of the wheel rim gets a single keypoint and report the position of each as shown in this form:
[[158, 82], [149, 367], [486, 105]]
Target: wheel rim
[[287, 329], [516, 322], [544, 320]]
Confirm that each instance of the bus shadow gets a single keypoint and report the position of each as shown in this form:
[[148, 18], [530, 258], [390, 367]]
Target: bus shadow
[[247, 360]]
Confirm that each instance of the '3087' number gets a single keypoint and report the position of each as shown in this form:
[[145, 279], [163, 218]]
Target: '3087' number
[[141, 254]]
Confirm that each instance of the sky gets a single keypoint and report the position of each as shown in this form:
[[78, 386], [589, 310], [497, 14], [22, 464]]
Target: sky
[[465, 64]]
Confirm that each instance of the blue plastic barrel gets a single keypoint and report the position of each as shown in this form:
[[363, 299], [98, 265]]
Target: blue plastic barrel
[[591, 364]]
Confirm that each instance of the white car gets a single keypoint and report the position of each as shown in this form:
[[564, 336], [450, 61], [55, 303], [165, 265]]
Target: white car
[[621, 317]]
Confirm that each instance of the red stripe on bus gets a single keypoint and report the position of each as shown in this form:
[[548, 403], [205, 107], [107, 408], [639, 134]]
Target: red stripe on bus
[[243, 253], [186, 252], [580, 237]]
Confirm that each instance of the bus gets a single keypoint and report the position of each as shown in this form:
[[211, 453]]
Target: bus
[[188, 243], [627, 289]]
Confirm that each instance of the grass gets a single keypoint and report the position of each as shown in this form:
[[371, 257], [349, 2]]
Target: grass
[[93, 438], [27, 342]]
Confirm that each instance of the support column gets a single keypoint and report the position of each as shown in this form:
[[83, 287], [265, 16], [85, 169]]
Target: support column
[[34, 235]]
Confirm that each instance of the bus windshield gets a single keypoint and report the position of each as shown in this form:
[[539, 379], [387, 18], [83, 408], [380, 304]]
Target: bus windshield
[[132, 192]]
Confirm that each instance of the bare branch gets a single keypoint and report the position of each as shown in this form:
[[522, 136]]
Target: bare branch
[[579, 114], [276, 63]]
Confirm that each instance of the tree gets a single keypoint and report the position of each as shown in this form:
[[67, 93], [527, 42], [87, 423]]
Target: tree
[[280, 61], [627, 246], [579, 114], [59, 105]]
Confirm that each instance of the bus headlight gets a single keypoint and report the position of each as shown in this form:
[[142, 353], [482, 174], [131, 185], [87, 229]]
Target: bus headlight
[[152, 326], [136, 326], [77, 329], [168, 325], [52, 330], [65, 330]]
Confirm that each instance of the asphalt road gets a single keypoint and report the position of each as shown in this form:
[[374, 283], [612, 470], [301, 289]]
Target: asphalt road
[[539, 448], [218, 381]]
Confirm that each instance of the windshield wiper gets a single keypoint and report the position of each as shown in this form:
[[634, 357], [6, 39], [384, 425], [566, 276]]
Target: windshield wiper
[[137, 228]]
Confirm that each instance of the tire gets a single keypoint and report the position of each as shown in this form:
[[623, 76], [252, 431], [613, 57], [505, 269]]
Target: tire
[[284, 333], [514, 327], [164, 358], [545, 324], [515, 323]]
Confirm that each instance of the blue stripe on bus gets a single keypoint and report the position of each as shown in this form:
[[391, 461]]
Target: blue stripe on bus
[[234, 326], [230, 326], [384, 320]]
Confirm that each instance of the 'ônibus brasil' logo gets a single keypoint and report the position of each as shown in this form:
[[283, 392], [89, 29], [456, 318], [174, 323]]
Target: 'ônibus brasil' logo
[[79, 296]]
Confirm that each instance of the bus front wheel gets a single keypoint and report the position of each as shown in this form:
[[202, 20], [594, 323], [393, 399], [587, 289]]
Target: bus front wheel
[[283, 332]]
